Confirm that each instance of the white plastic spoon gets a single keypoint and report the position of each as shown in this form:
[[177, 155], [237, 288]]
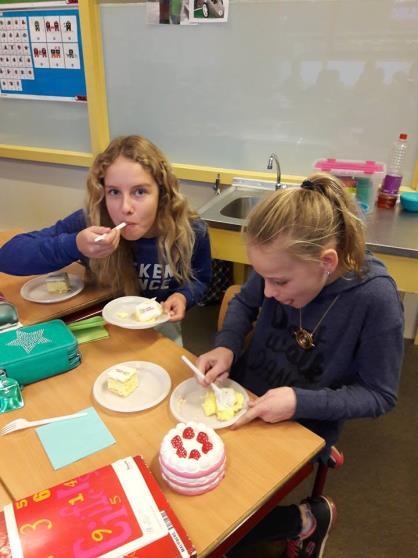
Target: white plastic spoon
[[117, 228], [225, 397]]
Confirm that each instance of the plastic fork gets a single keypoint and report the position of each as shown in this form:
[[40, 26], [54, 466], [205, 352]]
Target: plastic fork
[[225, 397], [117, 228], [21, 423]]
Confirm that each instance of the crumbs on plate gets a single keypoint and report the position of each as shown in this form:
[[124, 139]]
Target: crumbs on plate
[[180, 402], [122, 315]]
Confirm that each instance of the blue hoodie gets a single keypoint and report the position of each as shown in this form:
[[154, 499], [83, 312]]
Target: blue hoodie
[[55, 247], [353, 370]]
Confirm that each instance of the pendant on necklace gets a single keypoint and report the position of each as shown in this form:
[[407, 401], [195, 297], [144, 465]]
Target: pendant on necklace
[[304, 339]]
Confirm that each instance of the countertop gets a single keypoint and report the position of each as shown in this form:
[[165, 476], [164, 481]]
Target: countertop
[[389, 231], [393, 231]]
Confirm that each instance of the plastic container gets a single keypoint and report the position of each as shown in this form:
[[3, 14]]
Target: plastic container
[[362, 178], [393, 178], [365, 193], [8, 314], [10, 394], [409, 201], [385, 200]]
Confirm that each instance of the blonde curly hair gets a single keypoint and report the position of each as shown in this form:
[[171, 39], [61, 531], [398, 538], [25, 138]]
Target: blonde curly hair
[[176, 236], [310, 217]]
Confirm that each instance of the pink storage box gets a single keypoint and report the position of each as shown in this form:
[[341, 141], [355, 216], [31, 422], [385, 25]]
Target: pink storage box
[[345, 167], [362, 178]]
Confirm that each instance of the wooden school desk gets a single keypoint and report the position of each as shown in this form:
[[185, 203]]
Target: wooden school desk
[[33, 312], [264, 460], [4, 496]]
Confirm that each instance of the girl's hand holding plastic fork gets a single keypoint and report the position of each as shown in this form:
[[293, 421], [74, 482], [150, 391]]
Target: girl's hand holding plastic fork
[[90, 248]]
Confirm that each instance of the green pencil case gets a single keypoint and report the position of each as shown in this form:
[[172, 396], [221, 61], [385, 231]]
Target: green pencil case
[[33, 353]]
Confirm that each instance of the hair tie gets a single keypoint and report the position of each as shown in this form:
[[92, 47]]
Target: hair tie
[[307, 185]]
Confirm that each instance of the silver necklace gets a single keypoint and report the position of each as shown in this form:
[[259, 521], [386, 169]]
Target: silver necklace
[[305, 338]]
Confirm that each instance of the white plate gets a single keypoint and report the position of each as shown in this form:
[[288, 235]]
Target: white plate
[[127, 304], [154, 383], [187, 398], [36, 290]]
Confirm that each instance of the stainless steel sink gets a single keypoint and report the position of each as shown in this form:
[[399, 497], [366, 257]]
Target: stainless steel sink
[[240, 207], [230, 209]]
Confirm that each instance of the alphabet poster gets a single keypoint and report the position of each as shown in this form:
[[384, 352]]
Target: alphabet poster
[[41, 55]]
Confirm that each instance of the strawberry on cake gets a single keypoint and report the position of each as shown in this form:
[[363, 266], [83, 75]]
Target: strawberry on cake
[[192, 458]]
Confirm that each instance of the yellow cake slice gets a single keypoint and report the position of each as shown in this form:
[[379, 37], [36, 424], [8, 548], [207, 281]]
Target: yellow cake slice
[[122, 380], [58, 283], [148, 310], [210, 406]]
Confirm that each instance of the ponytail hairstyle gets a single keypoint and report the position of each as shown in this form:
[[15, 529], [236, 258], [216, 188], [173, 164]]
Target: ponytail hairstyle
[[174, 218], [308, 218]]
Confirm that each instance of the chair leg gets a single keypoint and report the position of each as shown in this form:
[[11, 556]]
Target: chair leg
[[320, 478], [335, 461]]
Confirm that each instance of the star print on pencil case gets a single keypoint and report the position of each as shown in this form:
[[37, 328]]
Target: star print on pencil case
[[28, 341], [36, 352]]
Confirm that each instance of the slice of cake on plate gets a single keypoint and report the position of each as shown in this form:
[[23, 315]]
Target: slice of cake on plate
[[122, 380], [58, 283], [211, 406], [192, 458], [148, 310]]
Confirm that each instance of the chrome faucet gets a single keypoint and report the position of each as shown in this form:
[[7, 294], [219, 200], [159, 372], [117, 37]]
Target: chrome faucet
[[274, 157], [217, 185]]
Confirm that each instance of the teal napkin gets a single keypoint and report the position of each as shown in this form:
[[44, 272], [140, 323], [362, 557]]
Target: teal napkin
[[70, 440]]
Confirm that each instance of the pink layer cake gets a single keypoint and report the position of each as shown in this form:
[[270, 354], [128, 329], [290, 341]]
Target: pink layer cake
[[192, 458]]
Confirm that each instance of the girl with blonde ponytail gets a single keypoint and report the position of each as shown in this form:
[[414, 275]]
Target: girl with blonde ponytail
[[327, 343]]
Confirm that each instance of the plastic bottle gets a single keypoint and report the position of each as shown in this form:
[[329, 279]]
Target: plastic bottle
[[386, 201], [10, 394], [393, 178]]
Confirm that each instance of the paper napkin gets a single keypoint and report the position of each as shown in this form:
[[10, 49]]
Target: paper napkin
[[90, 329], [67, 441]]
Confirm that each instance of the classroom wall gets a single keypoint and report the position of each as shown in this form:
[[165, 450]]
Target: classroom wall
[[34, 195], [349, 38]]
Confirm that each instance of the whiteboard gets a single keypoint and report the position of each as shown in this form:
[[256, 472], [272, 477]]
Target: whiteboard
[[49, 124], [305, 79]]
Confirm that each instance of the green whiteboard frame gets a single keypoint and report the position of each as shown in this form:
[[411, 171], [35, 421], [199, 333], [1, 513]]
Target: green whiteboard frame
[[96, 99]]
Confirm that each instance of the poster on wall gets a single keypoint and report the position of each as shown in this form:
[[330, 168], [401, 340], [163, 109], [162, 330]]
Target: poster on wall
[[187, 12], [208, 11], [41, 55]]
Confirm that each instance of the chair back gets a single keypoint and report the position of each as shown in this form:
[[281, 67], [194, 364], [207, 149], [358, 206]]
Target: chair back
[[229, 294]]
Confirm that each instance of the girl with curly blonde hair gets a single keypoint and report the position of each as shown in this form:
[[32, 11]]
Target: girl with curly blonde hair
[[161, 250]]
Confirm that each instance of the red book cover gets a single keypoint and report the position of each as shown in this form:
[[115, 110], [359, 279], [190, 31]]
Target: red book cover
[[113, 512]]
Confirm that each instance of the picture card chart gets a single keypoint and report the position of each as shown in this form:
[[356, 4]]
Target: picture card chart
[[41, 55]]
